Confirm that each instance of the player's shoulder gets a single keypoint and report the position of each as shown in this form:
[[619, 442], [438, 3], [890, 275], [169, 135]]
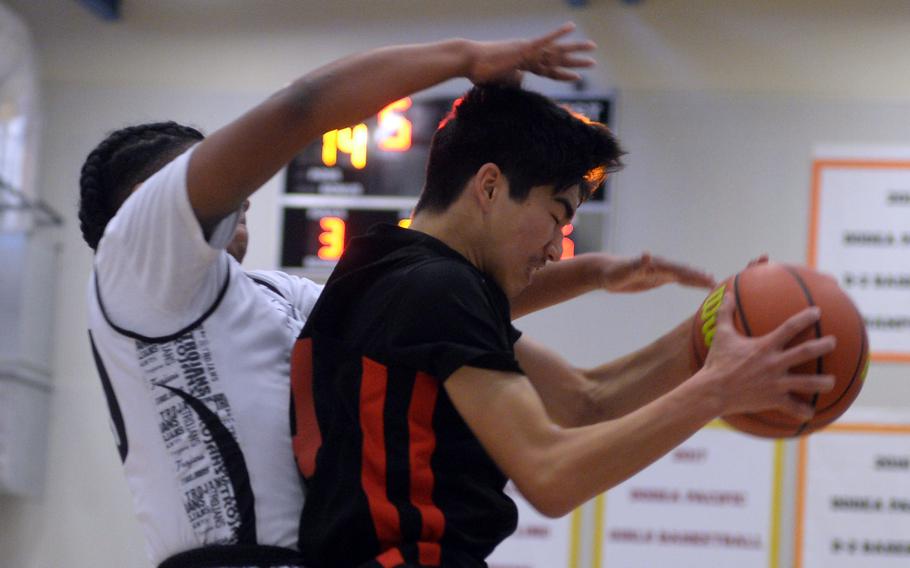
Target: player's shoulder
[[295, 289], [440, 281], [442, 273], [157, 205]]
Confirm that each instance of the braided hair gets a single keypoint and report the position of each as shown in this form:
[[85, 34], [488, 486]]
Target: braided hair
[[126, 158]]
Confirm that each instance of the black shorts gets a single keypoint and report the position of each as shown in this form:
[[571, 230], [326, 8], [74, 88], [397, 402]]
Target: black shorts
[[235, 556]]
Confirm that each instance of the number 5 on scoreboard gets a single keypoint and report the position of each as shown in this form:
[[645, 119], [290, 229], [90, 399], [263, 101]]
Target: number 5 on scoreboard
[[394, 128]]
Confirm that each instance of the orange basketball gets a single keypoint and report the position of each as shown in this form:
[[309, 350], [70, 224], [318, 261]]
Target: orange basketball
[[765, 296]]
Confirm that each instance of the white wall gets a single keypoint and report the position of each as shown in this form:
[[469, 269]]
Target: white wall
[[716, 106]]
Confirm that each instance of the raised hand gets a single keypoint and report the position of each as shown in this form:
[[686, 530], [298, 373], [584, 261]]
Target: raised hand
[[644, 272], [504, 61]]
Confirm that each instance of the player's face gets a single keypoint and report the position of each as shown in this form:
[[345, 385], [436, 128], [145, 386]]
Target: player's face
[[528, 234]]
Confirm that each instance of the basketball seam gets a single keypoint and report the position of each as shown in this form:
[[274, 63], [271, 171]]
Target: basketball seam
[[819, 361], [739, 307], [742, 314], [748, 331], [856, 371]]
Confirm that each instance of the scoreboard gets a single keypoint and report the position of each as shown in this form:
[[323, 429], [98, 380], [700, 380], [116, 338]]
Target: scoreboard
[[373, 172]]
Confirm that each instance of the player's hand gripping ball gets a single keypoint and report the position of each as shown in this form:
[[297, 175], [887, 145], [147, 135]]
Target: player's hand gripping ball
[[765, 296]]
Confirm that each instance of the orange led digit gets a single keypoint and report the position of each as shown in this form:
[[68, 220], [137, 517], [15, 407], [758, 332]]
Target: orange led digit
[[351, 141], [330, 148], [331, 237], [390, 121], [568, 245]]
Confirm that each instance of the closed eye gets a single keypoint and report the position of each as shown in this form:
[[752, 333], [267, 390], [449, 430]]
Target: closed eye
[[569, 210]]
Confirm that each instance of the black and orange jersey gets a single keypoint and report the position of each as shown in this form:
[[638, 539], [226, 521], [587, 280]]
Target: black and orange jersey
[[393, 474]]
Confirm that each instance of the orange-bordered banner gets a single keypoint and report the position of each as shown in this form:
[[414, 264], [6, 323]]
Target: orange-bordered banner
[[852, 501], [859, 232]]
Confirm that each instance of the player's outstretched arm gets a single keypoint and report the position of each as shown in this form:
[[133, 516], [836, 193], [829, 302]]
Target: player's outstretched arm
[[558, 469], [560, 281], [577, 397], [237, 159]]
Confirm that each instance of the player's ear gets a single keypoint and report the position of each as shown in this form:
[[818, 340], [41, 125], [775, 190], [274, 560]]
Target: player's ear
[[488, 183]]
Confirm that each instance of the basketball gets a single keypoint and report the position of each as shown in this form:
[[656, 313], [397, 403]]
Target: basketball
[[765, 296]]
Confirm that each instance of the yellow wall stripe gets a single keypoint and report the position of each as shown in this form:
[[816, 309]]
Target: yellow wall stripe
[[597, 549], [575, 540], [777, 497]]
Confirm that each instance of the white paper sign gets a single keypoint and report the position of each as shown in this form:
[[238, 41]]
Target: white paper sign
[[854, 497], [538, 542], [710, 502], [861, 235]]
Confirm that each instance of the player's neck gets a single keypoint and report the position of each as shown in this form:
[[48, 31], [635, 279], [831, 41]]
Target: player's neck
[[452, 228]]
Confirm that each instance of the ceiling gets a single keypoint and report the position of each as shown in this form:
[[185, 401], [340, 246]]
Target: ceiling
[[822, 48]]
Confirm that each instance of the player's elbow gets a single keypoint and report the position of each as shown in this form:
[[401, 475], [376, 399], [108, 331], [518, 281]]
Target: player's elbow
[[546, 488], [550, 501], [555, 509]]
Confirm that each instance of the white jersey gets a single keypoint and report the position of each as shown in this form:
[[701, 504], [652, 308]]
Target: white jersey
[[194, 357]]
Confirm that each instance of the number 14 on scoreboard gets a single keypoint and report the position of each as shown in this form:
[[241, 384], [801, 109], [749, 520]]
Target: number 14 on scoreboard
[[393, 134]]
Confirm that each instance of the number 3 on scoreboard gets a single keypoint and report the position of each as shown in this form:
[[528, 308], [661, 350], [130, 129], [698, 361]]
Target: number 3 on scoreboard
[[331, 238]]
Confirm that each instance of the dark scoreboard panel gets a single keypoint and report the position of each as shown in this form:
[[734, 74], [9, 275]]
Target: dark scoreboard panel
[[316, 237], [372, 172], [385, 155]]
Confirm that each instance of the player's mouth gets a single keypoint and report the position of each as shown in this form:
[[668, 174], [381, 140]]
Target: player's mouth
[[534, 266]]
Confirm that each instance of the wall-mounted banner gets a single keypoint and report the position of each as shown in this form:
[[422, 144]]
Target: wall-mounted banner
[[853, 495], [539, 542], [860, 233], [713, 501]]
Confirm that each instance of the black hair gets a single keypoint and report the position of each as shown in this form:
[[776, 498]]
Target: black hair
[[533, 140], [126, 158]]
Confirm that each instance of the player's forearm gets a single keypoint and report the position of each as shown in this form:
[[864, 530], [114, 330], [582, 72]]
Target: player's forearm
[[558, 468], [350, 89], [579, 463], [236, 160], [638, 378], [560, 281]]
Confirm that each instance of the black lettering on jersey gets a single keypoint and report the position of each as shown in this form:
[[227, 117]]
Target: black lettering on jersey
[[227, 456]]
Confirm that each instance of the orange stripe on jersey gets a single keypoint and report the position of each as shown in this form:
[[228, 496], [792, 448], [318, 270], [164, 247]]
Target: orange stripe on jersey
[[390, 558], [422, 445], [373, 458], [308, 437], [429, 553]]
